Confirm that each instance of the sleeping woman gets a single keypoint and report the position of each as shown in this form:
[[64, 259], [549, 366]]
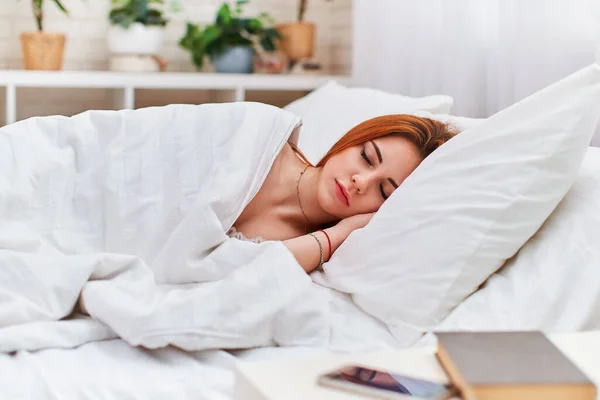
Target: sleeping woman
[[313, 209], [131, 217]]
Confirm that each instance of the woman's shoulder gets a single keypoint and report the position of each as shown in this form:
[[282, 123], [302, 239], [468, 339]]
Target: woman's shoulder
[[284, 156]]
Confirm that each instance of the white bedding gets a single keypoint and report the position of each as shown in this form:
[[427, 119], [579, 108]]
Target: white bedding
[[561, 262], [114, 370], [553, 284]]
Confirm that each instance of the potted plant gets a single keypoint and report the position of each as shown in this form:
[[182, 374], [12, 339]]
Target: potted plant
[[43, 50], [298, 38], [231, 41], [137, 26]]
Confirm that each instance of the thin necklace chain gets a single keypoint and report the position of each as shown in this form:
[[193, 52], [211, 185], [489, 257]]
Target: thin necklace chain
[[299, 201]]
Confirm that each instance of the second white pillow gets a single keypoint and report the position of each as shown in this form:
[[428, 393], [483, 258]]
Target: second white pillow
[[333, 109]]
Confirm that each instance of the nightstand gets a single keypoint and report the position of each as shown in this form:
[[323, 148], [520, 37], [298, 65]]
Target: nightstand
[[297, 380]]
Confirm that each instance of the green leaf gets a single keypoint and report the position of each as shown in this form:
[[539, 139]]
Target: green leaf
[[140, 7], [253, 26], [191, 38], [235, 26], [154, 17], [198, 58], [152, 20], [224, 15], [61, 6], [273, 33], [238, 39], [216, 48], [211, 34], [267, 43], [123, 17]]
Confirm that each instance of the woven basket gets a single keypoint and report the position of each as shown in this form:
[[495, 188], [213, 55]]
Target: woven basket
[[43, 51]]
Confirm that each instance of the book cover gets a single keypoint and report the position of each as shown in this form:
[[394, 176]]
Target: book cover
[[515, 365]]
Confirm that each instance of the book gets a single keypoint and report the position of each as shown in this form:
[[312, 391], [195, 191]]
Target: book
[[510, 365]]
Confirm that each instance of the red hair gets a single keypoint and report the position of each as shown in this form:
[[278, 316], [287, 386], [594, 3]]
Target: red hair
[[426, 134]]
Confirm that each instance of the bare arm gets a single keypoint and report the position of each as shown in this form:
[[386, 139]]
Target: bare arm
[[306, 249]]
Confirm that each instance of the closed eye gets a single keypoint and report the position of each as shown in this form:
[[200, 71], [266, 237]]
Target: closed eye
[[385, 197], [363, 153]]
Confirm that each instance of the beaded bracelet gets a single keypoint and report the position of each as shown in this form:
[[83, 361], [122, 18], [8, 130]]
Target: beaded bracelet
[[320, 266]]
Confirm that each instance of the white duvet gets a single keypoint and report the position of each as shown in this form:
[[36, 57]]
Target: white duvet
[[121, 215]]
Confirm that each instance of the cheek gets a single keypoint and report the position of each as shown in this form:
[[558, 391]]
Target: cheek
[[327, 200], [323, 193], [374, 204], [367, 204], [340, 165]]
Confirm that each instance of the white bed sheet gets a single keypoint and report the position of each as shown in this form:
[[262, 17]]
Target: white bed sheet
[[114, 370]]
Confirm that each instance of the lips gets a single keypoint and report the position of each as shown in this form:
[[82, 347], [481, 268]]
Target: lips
[[342, 193]]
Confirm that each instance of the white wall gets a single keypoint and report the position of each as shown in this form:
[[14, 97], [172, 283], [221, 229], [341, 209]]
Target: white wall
[[86, 48]]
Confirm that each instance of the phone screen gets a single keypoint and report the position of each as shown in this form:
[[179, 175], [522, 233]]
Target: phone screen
[[390, 382]]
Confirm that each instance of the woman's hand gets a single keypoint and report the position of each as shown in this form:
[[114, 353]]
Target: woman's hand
[[307, 251], [350, 224]]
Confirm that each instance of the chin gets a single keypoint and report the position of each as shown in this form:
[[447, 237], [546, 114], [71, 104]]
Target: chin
[[340, 211], [333, 211], [330, 206]]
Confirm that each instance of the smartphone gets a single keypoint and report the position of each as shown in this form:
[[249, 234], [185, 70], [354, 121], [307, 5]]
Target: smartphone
[[385, 385]]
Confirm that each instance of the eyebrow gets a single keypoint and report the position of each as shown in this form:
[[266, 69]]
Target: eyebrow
[[393, 182], [377, 151]]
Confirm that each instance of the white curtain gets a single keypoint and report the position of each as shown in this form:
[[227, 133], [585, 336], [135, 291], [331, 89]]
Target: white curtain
[[487, 54]]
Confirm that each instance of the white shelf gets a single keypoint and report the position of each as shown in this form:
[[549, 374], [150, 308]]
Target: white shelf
[[129, 82], [160, 80]]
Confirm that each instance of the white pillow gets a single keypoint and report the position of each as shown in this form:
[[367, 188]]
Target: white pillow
[[553, 283], [459, 124], [333, 109], [467, 208]]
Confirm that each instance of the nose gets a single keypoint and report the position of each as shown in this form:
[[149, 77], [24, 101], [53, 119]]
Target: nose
[[361, 183]]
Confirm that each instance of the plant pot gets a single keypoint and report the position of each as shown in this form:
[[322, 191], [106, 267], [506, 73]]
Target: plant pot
[[138, 39], [235, 60], [43, 51], [298, 40]]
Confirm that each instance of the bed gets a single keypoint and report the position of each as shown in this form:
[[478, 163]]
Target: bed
[[552, 283]]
